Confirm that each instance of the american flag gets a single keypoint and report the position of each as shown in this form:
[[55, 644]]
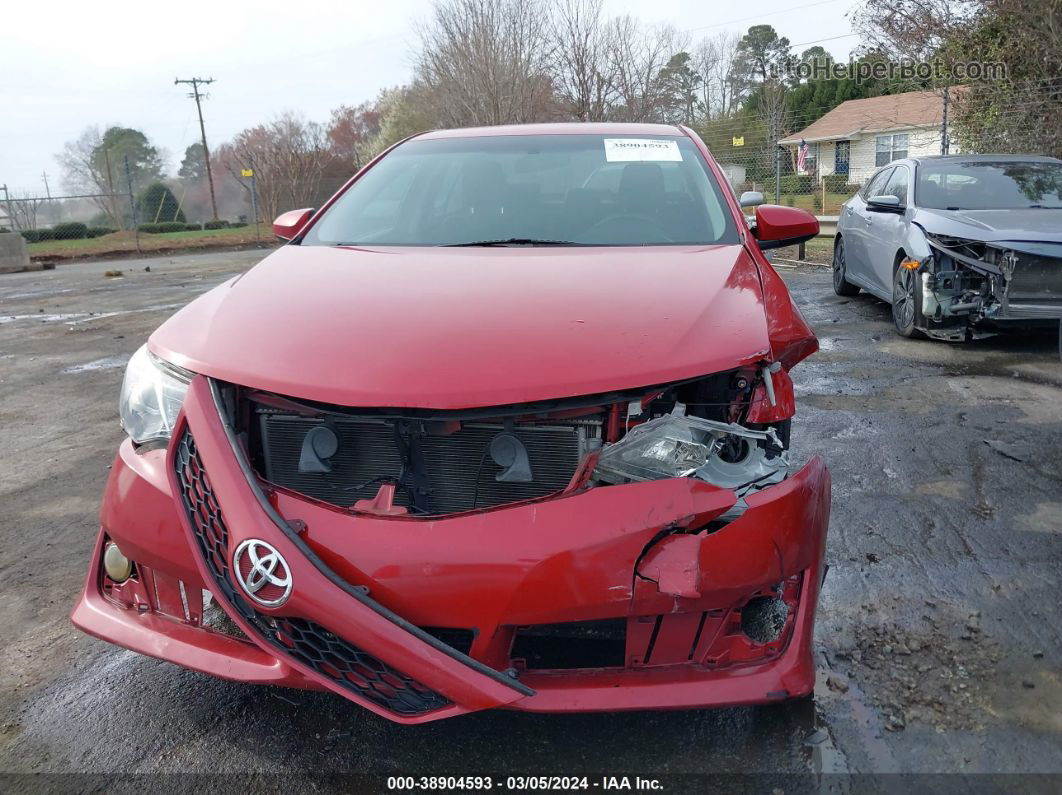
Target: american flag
[[802, 155]]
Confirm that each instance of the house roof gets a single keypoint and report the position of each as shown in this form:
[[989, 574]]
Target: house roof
[[875, 114]]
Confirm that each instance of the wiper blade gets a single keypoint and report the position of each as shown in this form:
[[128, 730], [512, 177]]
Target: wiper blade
[[1045, 206], [514, 241]]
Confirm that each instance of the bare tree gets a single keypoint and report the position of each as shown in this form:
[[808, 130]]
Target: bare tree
[[915, 29], [86, 172], [714, 60], [582, 73], [289, 155], [636, 57], [486, 61], [23, 208]]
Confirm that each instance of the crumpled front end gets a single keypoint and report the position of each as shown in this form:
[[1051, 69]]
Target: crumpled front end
[[564, 575], [968, 282]]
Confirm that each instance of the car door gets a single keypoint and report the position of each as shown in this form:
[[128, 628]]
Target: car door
[[854, 224], [886, 230]]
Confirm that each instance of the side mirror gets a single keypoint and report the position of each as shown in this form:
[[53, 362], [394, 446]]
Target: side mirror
[[751, 198], [778, 226], [289, 224], [884, 204]]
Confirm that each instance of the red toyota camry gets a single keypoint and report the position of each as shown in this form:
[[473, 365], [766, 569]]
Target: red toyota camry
[[504, 424]]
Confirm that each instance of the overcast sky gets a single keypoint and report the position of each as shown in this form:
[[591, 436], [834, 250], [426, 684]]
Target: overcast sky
[[72, 64]]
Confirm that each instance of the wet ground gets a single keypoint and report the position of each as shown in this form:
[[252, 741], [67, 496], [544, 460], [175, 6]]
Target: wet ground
[[939, 641]]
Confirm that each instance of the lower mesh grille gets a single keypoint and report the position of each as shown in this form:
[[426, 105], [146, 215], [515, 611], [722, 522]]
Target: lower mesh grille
[[309, 643]]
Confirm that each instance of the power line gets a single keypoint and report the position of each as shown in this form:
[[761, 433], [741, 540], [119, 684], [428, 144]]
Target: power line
[[195, 82]]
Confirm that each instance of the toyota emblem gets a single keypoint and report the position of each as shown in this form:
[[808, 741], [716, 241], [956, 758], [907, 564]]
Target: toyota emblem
[[262, 573]]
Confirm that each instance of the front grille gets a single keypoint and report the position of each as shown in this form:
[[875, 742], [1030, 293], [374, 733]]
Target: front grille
[[311, 644], [458, 471]]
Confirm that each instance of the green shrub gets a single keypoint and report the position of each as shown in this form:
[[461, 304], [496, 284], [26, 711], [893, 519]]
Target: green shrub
[[157, 204], [797, 183], [216, 225], [37, 235], [237, 225], [100, 231], [70, 231], [816, 201], [166, 226], [788, 200]]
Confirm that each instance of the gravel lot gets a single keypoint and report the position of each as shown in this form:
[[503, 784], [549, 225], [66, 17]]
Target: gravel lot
[[939, 637]]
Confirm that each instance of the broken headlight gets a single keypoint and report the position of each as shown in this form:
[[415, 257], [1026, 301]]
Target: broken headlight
[[723, 454], [152, 394]]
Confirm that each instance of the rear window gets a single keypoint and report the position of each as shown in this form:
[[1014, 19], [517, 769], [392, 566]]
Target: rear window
[[569, 189]]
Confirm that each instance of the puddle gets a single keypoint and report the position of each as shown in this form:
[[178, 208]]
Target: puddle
[[42, 317], [77, 318], [106, 363], [102, 315]]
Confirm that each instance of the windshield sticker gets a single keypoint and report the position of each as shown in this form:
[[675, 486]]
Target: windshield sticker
[[626, 150]]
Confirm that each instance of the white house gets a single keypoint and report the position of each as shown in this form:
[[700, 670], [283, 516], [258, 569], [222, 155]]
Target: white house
[[859, 135]]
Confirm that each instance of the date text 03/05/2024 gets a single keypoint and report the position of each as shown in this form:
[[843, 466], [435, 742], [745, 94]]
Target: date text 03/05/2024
[[547, 783]]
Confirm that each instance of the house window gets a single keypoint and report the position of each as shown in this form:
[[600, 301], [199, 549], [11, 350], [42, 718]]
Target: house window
[[889, 148]]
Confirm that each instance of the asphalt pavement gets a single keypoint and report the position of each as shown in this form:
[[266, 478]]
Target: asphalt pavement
[[938, 644]]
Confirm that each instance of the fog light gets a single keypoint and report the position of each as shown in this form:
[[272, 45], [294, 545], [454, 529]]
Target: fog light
[[118, 567]]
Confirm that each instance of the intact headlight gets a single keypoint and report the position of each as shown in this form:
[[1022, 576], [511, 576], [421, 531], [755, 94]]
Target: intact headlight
[[152, 394]]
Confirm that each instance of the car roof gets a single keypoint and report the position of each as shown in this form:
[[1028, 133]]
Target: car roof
[[988, 158], [568, 128]]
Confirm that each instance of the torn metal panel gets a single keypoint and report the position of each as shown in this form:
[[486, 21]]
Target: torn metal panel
[[978, 281]]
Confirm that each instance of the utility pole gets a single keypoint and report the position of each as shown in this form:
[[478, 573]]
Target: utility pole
[[47, 190], [195, 82], [944, 144]]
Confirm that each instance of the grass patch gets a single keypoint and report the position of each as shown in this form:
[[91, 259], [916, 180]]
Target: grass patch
[[125, 242]]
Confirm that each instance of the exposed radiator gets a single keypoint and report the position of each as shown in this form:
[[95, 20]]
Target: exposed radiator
[[453, 464]]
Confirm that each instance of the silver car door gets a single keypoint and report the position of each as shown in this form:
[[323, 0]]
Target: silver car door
[[855, 221], [886, 230]]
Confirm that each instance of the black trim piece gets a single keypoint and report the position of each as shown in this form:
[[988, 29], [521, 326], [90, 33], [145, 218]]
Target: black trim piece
[[542, 407], [351, 590], [767, 245]]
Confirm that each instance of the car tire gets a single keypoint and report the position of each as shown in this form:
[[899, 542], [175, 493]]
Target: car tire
[[841, 285], [907, 302]]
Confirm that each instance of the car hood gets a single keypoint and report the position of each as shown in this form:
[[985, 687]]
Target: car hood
[[991, 225], [452, 328]]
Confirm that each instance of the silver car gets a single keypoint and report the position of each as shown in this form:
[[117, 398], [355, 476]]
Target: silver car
[[960, 245]]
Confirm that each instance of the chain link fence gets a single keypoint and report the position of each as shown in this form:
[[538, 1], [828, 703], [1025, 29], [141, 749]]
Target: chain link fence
[[816, 168]]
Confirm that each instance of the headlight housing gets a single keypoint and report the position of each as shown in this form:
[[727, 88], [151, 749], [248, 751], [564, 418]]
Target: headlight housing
[[724, 454], [152, 394]]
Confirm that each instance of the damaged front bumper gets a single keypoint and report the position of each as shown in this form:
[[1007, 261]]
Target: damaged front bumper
[[967, 282], [423, 618]]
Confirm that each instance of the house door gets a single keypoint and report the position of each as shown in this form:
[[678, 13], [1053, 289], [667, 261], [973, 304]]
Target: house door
[[841, 157]]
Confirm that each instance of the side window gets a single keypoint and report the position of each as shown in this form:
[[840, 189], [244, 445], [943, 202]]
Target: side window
[[876, 184], [897, 184]]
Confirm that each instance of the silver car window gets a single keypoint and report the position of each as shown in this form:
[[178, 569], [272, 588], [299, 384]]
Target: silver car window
[[897, 184], [877, 182]]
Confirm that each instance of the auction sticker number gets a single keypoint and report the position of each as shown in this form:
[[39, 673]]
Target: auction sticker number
[[626, 150]]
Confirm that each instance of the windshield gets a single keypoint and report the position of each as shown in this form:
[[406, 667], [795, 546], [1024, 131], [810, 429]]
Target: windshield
[[989, 185], [526, 189]]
